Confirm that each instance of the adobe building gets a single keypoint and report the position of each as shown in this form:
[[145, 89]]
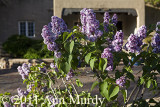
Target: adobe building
[[27, 17], [131, 13]]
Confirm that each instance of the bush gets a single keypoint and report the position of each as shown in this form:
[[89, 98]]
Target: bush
[[22, 47]]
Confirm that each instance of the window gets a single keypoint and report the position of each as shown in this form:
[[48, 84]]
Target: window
[[26, 28]]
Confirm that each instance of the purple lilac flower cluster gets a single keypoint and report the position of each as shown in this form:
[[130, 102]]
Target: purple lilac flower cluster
[[107, 19], [107, 54], [117, 42], [54, 66], [90, 25], [42, 69], [69, 75], [158, 27], [114, 19], [121, 81], [156, 43], [54, 101], [51, 32], [142, 32], [135, 41], [24, 93], [24, 70], [6, 104]]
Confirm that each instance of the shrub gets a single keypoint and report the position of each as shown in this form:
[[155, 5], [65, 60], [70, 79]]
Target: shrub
[[20, 46], [86, 44]]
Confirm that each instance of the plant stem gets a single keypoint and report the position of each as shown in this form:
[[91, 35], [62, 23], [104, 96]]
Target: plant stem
[[99, 78], [134, 99], [135, 87], [143, 90]]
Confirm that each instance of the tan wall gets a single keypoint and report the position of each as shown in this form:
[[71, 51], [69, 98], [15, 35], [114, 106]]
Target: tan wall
[[138, 5], [22, 10]]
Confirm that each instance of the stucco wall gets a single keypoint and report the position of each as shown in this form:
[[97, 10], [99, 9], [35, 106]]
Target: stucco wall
[[138, 5], [38, 11]]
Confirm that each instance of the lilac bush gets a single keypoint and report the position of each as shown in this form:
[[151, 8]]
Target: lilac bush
[[98, 46]]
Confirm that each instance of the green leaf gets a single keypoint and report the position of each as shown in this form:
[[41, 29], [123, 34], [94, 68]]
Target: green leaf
[[103, 86], [69, 59], [71, 46], [55, 59], [7, 93], [124, 93], [66, 37], [113, 91], [141, 80], [65, 34], [130, 75], [105, 65], [148, 84], [87, 57], [79, 84], [67, 47], [65, 67], [94, 84], [50, 84], [102, 64], [103, 89], [92, 63]]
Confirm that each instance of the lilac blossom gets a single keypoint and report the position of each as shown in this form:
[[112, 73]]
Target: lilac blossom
[[20, 92], [12, 99], [51, 32], [156, 43], [57, 54], [142, 32], [52, 46], [117, 42], [107, 54], [135, 41], [158, 27], [58, 25], [121, 81], [69, 75], [29, 89], [54, 101], [23, 104], [6, 104], [24, 70], [42, 69], [106, 21], [114, 19], [132, 44], [90, 25], [54, 66]]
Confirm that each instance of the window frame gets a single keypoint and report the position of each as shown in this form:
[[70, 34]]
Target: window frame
[[26, 28]]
